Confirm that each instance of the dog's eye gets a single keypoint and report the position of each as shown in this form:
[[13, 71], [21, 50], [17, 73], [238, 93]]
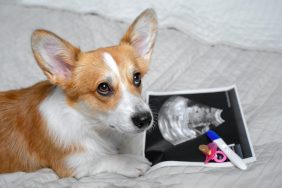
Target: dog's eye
[[104, 89], [137, 79]]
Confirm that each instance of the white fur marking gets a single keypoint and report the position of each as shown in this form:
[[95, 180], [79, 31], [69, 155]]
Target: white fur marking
[[111, 63], [66, 125]]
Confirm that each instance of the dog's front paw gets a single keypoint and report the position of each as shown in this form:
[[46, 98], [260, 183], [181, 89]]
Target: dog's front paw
[[124, 164], [133, 165]]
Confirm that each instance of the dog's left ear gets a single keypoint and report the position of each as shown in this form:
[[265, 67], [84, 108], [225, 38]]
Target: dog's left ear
[[141, 34]]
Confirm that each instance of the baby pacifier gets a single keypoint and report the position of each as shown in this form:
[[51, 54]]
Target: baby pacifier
[[212, 153]]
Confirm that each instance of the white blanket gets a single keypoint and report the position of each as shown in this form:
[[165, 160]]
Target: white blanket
[[179, 62], [251, 24]]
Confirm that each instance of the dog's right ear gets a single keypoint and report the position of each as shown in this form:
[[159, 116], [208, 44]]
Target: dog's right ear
[[55, 56]]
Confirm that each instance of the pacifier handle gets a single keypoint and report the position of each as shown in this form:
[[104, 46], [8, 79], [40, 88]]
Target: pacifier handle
[[212, 153], [219, 160]]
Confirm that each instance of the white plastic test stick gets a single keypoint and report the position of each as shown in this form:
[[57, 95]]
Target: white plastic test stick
[[232, 156]]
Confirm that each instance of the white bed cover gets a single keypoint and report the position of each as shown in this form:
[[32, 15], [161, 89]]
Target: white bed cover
[[179, 62]]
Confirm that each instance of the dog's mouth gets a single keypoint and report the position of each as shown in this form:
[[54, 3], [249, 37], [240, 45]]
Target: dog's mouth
[[133, 131]]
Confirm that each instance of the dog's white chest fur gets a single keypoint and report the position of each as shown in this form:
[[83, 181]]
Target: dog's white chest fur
[[68, 127]]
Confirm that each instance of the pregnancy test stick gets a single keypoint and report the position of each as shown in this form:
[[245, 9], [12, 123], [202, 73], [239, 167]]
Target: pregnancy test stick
[[232, 156]]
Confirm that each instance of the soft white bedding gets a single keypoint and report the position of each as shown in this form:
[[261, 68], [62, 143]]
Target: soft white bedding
[[251, 24], [179, 62]]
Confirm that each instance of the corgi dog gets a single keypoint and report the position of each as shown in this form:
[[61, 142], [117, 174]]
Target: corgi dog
[[78, 121]]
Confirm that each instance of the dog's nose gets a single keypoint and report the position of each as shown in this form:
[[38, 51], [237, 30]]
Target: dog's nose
[[142, 119]]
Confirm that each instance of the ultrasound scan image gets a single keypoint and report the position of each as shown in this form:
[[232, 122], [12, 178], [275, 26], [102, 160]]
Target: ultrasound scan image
[[181, 119]]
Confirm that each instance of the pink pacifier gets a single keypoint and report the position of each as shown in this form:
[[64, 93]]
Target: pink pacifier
[[212, 153]]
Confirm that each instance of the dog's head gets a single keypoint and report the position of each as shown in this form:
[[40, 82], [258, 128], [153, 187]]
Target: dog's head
[[104, 84]]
